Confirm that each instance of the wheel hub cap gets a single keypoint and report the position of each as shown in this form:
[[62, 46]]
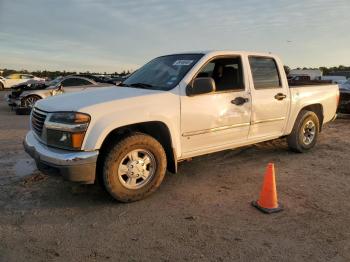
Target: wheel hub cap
[[309, 132], [30, 102], [136, 169]]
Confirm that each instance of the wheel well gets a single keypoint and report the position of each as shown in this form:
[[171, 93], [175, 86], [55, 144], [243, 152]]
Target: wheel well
[[318, 110], [156, 129]]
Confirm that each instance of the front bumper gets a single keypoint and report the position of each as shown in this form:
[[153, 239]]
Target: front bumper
[[13, 102], [74, 166]]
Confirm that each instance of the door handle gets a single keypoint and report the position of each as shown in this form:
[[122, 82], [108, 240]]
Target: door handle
[[238, 101], [280, 96]]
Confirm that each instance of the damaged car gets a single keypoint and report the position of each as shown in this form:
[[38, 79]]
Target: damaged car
[[24, 98]]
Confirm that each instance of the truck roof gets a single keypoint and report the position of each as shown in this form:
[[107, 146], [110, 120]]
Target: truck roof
[[225, 52]]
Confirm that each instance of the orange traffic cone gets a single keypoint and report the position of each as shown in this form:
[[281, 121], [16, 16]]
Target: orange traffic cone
[[267, 202]]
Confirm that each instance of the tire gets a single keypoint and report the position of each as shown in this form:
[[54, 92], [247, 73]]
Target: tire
[[305, 132], [29, 101], [127, 164]]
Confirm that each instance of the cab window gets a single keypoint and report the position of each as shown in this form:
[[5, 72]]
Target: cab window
[[265, 72], [226, 72]]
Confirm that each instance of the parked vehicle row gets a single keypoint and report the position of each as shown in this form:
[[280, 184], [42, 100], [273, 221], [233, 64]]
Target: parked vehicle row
[[306, 80], [334, 79], [103, 79], [25, 95], [174, 108]]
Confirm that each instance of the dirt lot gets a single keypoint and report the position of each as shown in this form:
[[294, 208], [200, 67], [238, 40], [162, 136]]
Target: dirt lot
[[203, 213]]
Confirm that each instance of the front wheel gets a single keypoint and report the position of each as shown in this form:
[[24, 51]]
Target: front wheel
[[305, 132], [134, 167], [29, 101]]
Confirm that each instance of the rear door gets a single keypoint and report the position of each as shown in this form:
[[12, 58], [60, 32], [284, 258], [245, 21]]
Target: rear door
[[270, 98]]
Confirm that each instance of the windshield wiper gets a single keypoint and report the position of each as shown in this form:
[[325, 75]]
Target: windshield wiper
[[142, 85], [121, 84], [138, 85]]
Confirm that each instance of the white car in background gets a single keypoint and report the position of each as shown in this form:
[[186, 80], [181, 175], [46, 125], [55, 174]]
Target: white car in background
[[15, 79], [2, 79]]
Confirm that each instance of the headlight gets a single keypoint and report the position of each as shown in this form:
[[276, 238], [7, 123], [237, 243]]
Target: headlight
[[66, 129]]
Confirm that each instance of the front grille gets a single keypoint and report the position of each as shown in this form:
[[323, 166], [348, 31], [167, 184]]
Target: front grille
[[38, 119]]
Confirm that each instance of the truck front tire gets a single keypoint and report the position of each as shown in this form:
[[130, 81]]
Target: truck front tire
[[134, 167], [305, 132]]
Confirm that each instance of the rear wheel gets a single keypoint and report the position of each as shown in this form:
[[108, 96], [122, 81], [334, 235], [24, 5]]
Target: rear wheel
[[305, 132], [134, 167]]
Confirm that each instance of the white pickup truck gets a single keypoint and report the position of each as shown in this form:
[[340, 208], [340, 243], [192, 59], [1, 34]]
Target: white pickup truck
[[173, 108]]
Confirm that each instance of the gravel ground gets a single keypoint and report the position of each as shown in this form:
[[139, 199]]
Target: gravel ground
[[203, 213]]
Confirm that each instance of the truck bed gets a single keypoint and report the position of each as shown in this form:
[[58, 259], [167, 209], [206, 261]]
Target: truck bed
[[323, 94]]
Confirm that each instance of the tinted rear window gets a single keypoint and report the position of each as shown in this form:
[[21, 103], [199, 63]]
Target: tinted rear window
[[265, 73]]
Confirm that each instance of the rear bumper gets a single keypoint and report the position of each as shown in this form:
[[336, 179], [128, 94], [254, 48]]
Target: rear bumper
[[74, 166]]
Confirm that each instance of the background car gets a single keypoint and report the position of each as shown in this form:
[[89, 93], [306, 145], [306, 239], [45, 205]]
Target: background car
[[30, 85], [103, 79], [25, 98], [15, 79], [344, 100]]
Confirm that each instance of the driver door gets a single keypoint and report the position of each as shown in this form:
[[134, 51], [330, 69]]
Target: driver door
[[210, 122]]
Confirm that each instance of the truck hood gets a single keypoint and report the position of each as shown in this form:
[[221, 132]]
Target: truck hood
[[79, 101]]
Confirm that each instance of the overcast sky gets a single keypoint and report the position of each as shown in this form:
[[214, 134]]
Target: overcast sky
[[113, 35]]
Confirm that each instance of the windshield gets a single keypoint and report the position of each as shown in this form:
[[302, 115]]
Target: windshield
[[163, 73]]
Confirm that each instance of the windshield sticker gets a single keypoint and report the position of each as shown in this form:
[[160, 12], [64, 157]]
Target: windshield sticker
[[169, 83], [174, 78], [183, 62]]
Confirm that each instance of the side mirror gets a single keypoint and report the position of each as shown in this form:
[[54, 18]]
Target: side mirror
[[59, 87], [201, 85]]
